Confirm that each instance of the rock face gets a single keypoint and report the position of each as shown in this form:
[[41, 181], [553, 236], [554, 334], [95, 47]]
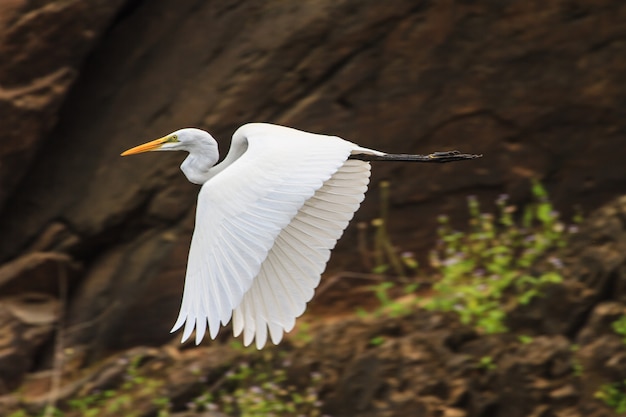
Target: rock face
[[423, 364], [27, 321], [428, 365], [42, 47], [537, 87]]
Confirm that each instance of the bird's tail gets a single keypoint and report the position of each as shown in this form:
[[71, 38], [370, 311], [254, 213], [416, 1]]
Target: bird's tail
[[439, 157]]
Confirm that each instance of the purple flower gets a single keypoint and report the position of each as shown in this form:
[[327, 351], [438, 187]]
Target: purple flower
[[558, 263]]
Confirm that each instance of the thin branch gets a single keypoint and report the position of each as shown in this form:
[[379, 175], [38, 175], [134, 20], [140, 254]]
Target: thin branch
[[88, 323], [333, 279]]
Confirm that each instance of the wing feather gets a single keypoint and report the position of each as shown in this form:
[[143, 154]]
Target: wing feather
[[242, 210], [299, 255]]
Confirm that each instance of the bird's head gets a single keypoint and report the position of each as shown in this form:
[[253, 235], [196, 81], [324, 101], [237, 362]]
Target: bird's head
[[188, 139], [202, 148]]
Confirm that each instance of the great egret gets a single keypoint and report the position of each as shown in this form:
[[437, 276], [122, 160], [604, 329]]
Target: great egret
[[266, 220]]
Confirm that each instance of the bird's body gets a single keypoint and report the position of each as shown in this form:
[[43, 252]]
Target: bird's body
[[267, 218]]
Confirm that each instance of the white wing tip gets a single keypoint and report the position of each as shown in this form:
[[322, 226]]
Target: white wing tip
[[250, 334], [199, 324], [179, 322]]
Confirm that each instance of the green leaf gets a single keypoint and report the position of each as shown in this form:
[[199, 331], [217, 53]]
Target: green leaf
[[544, 213], [380, 269], [377, 340], [539, 191], [411, 288]]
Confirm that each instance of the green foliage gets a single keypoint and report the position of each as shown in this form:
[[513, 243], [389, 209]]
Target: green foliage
[[613, 395], [261, 390], [381, 293], [389, 305], [302, 334], [525, 339], [619, 326], [577, 368], [492, 266], [487, 363], [386, 292], [384, 257], [163, 406], [377, 340], [238, 346], [483, 272]]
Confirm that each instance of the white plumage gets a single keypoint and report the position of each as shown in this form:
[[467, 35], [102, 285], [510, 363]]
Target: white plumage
[[264, 227], [266, 220]]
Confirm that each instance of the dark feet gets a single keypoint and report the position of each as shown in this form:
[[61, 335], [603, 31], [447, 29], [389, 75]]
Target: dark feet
[[446, 156]]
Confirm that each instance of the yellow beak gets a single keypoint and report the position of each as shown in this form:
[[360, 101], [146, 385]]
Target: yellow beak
[[150, 146]]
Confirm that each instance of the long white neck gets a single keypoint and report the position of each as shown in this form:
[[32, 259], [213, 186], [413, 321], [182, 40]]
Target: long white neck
[[202, 157]]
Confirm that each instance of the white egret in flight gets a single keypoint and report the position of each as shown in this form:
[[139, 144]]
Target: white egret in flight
[[267, 218]]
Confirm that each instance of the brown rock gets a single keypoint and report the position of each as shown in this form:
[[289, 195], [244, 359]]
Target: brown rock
[[26, 322], [601, 321], [39, 272], [599, 251], [37, 71], [453, 412], [565, 394], [372, 380], [594, 271], [602, 361], [541, 411], [114, 291], [569, 412]]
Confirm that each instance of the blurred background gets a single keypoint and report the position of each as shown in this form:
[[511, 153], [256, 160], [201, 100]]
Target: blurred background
[[93, 247]]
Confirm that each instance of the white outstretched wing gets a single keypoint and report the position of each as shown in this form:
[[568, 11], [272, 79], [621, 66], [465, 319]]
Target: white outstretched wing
[[282, 199], [298, 257]]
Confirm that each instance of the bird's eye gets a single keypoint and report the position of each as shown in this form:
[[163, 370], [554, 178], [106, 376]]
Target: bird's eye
[[173, 138]]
